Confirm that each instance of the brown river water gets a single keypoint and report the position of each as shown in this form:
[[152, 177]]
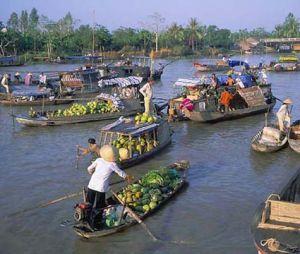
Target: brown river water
[[227, 181]]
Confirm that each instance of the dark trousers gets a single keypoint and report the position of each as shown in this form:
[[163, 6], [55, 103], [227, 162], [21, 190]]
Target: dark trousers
[[96, 197]]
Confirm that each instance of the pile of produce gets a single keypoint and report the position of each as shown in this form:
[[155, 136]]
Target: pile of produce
[[137, 146], [150, 190], [92, 107], [144, 118]]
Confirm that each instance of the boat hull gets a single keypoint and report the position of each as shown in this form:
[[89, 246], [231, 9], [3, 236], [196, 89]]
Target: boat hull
[[293, 140], [215, 116], [265, 148], [82, 233]]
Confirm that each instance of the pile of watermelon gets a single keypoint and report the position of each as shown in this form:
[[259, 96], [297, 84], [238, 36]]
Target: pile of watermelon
[[150, 190]]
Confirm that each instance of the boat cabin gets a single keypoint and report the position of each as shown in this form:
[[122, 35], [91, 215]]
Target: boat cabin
[[136, 142]]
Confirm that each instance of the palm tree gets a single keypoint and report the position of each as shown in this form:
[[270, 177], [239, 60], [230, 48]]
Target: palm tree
[[193, 32], [176, 33]]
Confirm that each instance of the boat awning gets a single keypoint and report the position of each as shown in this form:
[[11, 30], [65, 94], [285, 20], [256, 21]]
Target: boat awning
[[234, 63], [121, 82], [188, 82], [247, 79], [129, 128]]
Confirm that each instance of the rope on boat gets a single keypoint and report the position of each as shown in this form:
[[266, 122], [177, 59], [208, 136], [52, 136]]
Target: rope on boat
[[274, 246]]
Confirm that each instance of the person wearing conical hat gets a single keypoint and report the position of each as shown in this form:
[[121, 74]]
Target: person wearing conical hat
[[17, 77], [283, 115], [101, 170]]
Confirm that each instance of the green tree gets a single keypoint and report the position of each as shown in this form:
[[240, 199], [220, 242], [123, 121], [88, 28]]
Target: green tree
[[13, 22], [24, 22], [33, 19]]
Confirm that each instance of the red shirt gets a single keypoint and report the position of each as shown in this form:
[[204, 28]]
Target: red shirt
[[187, 103]]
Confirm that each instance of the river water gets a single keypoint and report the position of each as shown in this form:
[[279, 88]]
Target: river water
[[227, 180]]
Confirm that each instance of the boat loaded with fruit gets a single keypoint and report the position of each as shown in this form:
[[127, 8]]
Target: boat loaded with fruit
[[123, 100], [133, 203], [136, 138]]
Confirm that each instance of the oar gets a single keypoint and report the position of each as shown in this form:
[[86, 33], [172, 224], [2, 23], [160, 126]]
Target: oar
[[52, 202], [77, 156], [136, 217], [278, 99]]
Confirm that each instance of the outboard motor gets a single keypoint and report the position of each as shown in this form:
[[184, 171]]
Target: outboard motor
[[82, 211]]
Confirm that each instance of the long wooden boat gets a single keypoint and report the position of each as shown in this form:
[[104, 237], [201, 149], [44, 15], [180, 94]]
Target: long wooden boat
[[259, 145], [83, 230], [131, 107], [212, 115], [210, 67], [159, 131], [12, 101], [276, 224], [294, 136]]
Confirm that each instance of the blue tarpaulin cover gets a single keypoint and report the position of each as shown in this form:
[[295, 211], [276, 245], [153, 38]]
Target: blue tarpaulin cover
[[234, 63]]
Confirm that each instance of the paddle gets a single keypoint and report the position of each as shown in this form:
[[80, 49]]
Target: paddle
[[135, 216], [71, 195]]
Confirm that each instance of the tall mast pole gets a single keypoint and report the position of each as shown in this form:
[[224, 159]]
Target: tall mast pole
[[93, 34]]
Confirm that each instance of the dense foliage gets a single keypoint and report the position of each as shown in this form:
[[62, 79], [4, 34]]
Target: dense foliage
[[37, 34]]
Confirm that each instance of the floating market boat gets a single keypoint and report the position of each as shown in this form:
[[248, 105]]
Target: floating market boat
[[276, 223], [253, 99], [136, 141], [269, 139], [284, 64], [211, 67], [150, 193], [294, 136], [125, 101], [10, 61], [134, 66]]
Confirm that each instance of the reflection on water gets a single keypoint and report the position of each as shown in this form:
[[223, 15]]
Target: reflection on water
[[227, 180]]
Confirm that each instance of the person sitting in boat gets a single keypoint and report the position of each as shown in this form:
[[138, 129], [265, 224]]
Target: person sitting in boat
[[147, 92], [225, 99], [186, 104], [283, 115], [28, 79], [5, 83], [93, 149], [101, 170], [230, 81]]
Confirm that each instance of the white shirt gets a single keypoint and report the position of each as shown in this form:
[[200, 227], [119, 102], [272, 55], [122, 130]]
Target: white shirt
[[146, 90], [283, 110], [101, 171], [43, 79]]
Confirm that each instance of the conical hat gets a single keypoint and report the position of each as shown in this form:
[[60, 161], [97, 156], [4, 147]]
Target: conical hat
[[288, 101], [109, 153]]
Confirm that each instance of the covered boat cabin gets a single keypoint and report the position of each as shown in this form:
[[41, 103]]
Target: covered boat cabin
[[136, 142]]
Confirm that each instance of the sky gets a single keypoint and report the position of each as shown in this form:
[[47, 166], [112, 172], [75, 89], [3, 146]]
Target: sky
[[231, 14]]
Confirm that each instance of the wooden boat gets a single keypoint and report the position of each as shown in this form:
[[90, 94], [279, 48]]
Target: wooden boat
[[276, 224], [83, 230], [159, 131], [246, 102], [211, 67], [260, 145], [131, 107], [15, 101], [294, 136]]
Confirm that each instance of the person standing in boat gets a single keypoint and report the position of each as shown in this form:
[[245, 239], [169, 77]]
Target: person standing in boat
[[17, 78], [101, 171], [215, 83], [42, 79], [283, 115], [225, 99], [147, 92], [230, 81], [5, 83], [28, 79]]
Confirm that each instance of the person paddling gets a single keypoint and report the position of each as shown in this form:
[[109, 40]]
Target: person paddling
[[92, 148], [283, 115], [101, 170]]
